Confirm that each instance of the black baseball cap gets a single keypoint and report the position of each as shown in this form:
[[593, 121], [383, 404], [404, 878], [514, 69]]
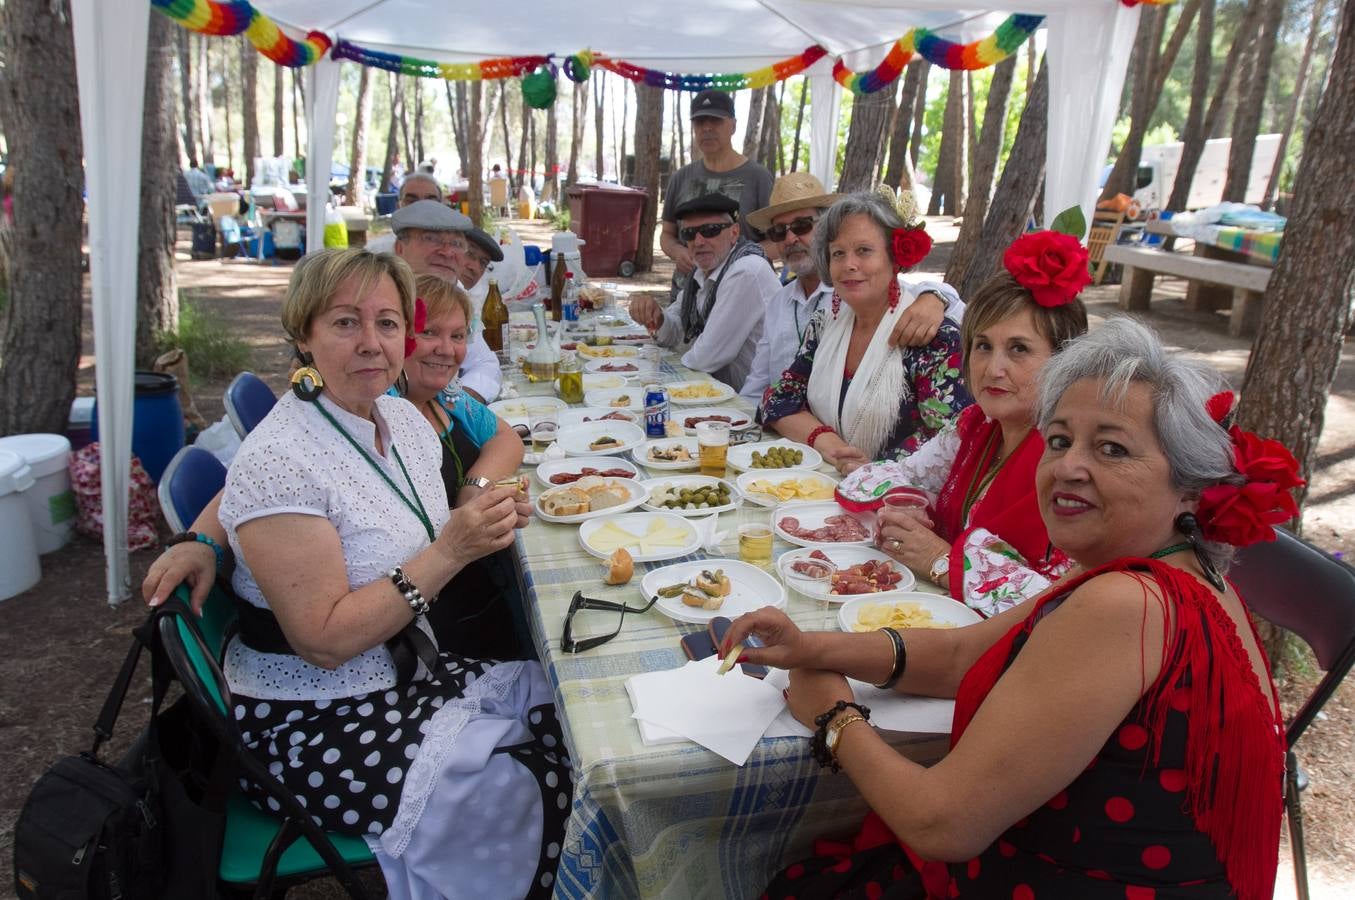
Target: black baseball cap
[[719, 104], [708, 203]]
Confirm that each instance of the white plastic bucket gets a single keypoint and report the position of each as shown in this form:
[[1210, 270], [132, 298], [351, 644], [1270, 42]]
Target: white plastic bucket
[[19, 566], [51, 505]]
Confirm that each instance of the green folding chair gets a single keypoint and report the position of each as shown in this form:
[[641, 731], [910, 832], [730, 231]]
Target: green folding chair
[[260, 850]]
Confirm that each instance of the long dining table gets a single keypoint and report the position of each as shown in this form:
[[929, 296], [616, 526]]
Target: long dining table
[[670, 820]]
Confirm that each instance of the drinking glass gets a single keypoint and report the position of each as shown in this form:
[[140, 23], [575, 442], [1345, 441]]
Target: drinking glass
[[755, 534], [544, 422], [713, 440]]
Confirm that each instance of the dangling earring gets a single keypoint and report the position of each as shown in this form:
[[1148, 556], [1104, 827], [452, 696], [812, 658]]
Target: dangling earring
[[837, 304], [306, 380], [893, 293], [1187, 524]]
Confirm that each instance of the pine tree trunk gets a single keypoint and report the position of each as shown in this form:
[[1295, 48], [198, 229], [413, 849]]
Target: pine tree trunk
[[279, 88], [578, 122], [40, 324], [625, 131], [920, 111], [985, 164], [417, 85], [187, 94], [870, 114], [392, 137], [357, 159], [769, 144], [204, 94], [780, 144], [599, 108], [971, 133], [1307, 308], [1016, 189], [157, 294], [551, 156], [531, 144], [249, 105], [410, 161], [903, 126], [475, 140], [226, 80], [648, 139], [1295, 101], [456, 104], [1251, 99], [752, 132], [528, 176], [799, 124], [507, 140], [298, 101], [1192, 134], [948, 187]]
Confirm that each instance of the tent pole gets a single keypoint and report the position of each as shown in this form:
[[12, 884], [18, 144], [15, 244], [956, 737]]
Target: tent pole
[[322, 103]]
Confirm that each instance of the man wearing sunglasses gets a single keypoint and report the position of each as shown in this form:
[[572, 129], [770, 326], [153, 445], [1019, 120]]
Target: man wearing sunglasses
[[798, 199], [416, 186], [432, 239], [718, 316]]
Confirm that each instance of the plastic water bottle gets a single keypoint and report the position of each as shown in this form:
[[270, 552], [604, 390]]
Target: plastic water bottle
[[570, 299]]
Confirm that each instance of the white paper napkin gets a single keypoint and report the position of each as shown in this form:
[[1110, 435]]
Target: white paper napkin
[[888, 710], [723, 713], [707, 531]]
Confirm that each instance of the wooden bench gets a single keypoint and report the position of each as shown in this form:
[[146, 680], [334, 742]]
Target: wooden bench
[[1142, 264]]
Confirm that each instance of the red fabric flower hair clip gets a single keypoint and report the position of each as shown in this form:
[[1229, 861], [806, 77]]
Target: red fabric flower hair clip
[[909, 246], [420, 320], [1051, 265], [1247, 513]]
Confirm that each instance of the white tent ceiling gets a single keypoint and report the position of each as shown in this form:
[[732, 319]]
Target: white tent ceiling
[[1088, 51]]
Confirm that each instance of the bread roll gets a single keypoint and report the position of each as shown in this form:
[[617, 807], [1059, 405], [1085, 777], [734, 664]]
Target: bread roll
[[566, 502], [606, 496]]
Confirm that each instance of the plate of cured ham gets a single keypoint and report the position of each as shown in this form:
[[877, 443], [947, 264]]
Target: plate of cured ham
[[689, 418], [851, 571], [567, 471], [821, 524]]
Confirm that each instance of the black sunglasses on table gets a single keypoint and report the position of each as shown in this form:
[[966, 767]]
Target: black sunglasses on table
[[569, 645], [799, 227], [707, 231]]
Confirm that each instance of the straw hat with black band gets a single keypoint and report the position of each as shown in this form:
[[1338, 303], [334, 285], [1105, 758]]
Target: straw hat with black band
[[795, 190]]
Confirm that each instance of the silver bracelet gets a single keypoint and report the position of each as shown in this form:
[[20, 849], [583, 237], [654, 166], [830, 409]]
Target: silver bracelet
[[407, 590]]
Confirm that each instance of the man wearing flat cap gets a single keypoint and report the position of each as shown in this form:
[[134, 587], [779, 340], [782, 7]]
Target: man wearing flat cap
[[481, 250], [718, 316], [798, 199], [432, 239], [720, 170], [416, 186]]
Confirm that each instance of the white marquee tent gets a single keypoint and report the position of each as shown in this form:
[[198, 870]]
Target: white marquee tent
[[1088, 45]]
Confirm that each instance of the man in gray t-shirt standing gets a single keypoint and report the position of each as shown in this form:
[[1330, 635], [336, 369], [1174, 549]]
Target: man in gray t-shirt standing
[[721, 170]]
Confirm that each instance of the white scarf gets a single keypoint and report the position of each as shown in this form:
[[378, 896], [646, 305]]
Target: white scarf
[[879, 389]]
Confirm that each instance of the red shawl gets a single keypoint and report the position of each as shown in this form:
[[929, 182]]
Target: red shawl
[[1009, 508]]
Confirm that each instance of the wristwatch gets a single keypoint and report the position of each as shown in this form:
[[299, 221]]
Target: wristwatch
[[833, 735], [940, 570], [479, 481]]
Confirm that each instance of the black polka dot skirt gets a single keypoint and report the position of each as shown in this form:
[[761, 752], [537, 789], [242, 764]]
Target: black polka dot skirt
[[346, 760]]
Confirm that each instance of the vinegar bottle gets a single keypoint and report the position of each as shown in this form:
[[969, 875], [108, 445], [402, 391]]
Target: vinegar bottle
[[493, 316]]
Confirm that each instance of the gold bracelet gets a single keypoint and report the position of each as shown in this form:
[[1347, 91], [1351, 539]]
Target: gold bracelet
[[834, 733]]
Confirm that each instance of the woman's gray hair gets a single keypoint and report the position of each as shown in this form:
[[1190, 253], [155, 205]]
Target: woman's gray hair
[[872, 205], [1122, 352]]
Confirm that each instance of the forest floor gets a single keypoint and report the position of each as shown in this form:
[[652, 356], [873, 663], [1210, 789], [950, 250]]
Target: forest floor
[[67, 643]]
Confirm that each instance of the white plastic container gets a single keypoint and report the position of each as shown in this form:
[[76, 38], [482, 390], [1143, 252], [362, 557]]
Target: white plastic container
[[51, 504], [19, 566]]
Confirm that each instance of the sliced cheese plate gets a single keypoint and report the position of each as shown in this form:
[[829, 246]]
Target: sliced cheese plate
[[647, 536]]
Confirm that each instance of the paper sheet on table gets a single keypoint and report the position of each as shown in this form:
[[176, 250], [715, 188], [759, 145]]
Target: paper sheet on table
[[724, 713], [888, 710]]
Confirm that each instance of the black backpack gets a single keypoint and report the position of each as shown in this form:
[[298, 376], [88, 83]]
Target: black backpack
[[149, 826]]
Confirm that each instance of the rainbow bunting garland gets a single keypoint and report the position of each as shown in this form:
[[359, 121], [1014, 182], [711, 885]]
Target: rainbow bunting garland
[[484, 70], [980, 54], [733, 81], [227, 17]]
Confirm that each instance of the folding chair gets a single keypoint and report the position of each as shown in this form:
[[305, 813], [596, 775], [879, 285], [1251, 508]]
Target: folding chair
[[248, 400], [260, 850], [1105, 231], [1293, 584], [190, 481]]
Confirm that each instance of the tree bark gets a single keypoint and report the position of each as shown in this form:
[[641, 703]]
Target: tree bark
[[1251, 99], [920, 111], [648, 139], [357, 159], [903, 126], [1149, 81], [985, 164], [577, 123], [527, 176], [226, 104], [392, 137], [507, 140], [157, 293], [551, 156], [204, 94], [531, 145], [870, 113], [769, 144], [475, 140], [279, 88], [1016, 190], [1295, 101], [410, 161], [1307, 308], [799, 124], [780, 144], [456, 104], [971, 133], [752, 131], [1192, 134], [187, 94], [298, 101], [948, 185], [249, 105], [417, 84], [682, 130], [599, 82], [40, 324]]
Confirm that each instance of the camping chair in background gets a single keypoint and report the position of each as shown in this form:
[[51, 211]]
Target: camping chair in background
[[248, 400], [1105, 230], [260, 850], [193, 477], [1293, 584]]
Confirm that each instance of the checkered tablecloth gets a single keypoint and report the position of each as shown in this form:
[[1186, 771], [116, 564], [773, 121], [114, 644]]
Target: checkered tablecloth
[[671, 820]]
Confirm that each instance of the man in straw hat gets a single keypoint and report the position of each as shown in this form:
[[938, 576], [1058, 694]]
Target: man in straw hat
[[797, 200]]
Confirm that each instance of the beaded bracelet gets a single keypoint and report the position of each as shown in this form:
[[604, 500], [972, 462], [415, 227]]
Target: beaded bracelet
[[184, 537], [900, 660], [818, 744], [407, 590], [818, 433]]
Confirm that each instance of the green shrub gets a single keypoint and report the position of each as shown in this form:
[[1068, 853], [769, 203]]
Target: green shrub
[[559, 219], [212, 351]]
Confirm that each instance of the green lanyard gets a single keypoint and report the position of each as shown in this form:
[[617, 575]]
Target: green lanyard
[[445, 436], [416, 506]]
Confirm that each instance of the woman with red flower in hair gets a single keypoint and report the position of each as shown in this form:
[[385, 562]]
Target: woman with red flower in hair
[[1118, 736], [981, 538], [850, 393]]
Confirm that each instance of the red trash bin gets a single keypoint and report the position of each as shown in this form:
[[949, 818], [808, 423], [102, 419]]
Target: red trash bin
[[607, 218]]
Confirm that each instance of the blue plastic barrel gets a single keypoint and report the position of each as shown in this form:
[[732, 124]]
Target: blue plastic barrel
[[386, 203], [157, 421]]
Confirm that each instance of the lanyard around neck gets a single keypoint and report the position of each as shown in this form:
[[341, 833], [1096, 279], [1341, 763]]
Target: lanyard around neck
[[815, 299], [416, 505], [445, 435]]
